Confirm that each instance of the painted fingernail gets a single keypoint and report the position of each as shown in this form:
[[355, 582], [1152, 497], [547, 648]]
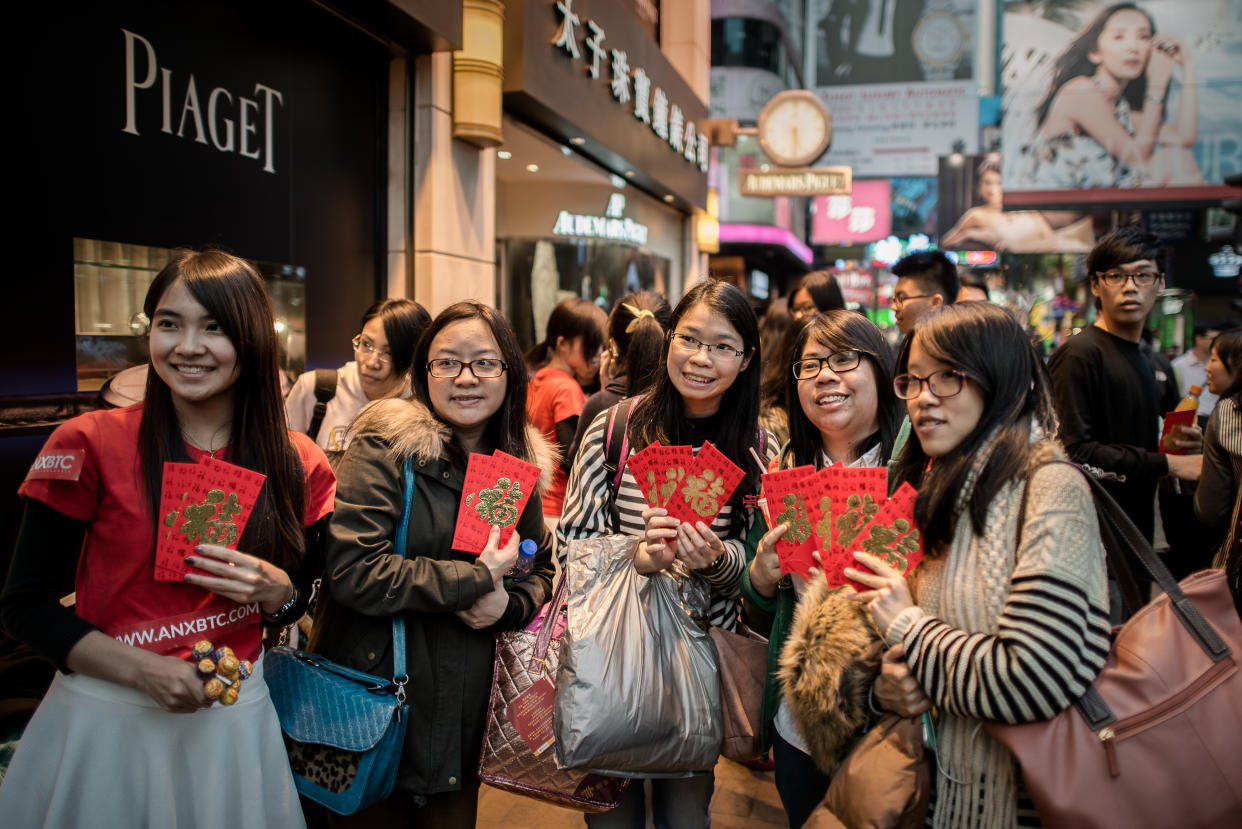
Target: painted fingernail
[[189, 560]]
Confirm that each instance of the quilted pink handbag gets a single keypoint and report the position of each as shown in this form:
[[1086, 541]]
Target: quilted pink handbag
[[525, 659]]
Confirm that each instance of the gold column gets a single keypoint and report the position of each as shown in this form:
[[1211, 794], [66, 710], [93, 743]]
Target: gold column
[[477, 74]]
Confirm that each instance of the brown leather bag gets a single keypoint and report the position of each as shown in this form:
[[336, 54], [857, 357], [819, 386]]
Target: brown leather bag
[[524, 658], [743, 660], [1157, 739]]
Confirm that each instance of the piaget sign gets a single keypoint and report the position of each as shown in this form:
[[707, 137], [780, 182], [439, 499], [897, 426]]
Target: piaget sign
[[630, 87], [612, 225], [230, 122], [813, 181]]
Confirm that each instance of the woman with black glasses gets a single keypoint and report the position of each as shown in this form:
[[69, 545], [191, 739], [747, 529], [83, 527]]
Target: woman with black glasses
[[839, 393], [708, 391], [469, 396], [1009, 619]]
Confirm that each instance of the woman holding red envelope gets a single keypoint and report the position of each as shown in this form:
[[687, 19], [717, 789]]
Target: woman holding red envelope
[[128, 733], [469, 400], [1011, 621], [708, 393], [839, 389]]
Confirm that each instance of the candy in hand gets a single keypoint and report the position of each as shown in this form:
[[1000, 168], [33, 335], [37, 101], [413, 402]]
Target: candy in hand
[[202, 649], [214, 688]]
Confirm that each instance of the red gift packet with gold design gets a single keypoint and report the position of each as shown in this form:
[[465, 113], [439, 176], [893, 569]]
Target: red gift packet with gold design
[[706, 487], [201, 503], [495, 492], [658, 471], [890, 536], [789, 499]]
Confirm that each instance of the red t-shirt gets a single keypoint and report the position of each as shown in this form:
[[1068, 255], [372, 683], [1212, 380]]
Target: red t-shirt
[[552, 396], [116, 588]]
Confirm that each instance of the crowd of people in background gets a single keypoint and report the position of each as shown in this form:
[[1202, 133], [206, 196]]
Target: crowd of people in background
[[964, 409]]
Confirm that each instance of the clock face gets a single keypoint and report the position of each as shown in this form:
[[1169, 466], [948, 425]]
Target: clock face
[[794, 128], [939, 39]]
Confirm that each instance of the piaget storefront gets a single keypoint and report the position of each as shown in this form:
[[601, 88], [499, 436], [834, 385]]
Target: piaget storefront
[[602, 165]]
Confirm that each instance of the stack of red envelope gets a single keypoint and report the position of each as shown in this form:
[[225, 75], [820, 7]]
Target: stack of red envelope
[[692, 487], [494, 494], [837, 511]]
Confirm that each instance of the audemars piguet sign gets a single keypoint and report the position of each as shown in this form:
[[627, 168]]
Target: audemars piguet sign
[[229, 121]]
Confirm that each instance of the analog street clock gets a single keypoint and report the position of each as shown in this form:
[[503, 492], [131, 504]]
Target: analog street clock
[[794, 128]]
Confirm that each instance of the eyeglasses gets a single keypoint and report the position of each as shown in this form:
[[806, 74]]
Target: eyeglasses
[[902, 299], [942, 384], [483, 369], [810, 368], [1142, 279], [367, 349], [800, 311], [689, 345]]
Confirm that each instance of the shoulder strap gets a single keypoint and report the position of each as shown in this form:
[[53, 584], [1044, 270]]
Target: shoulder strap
[[325, 390], [399, 676], [616, 453]]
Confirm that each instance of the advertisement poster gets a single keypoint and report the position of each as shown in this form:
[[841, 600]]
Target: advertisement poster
[[862, 216], [1121, 106], [970, 215], [896, 76]]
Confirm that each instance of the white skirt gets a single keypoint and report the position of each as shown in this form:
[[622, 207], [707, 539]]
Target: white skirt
[[98, 754]]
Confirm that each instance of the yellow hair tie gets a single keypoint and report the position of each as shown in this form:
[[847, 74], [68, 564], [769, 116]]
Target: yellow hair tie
[[638, 315]]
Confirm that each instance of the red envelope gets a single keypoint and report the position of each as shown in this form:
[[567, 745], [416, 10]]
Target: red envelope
[[204, 503], [788, 502], [656, 478], [855, 494], [891, 536], [706, 488], [1173, 423], [496, 490]]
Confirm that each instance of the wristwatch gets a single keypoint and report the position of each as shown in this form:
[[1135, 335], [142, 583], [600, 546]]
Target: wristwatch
[[939, 41], [284, 608]]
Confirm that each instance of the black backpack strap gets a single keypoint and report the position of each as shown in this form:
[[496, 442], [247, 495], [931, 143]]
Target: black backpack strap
[[325, 390], [616, 453]]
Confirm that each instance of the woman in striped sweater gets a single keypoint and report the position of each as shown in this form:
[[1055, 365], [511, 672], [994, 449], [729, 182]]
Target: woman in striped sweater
[[1011, 619], [709, 391]]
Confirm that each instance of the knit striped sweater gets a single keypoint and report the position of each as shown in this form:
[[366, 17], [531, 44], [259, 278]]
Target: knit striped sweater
[[585, 515], [1007, 632]]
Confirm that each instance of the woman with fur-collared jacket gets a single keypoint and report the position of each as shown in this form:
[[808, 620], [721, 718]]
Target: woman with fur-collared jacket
[[469, 396]]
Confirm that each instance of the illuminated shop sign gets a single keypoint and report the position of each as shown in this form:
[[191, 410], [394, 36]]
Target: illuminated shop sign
[[811, 181], [627, 86], [1226, 262], [611, 226]]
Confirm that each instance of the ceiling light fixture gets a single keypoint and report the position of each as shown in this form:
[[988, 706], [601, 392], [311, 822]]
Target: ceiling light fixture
[[532, 168], [504, 155]]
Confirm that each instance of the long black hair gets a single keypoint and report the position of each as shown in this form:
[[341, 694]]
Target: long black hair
[[232, 292], [824, 290], [404, 322], [660, 414], [984, 342], [571, 318], [1076, 60], [636, 329], [1228, 348], [506, 430], [843, 331]]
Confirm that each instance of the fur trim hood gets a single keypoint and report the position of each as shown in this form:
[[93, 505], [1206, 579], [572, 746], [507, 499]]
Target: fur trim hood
[[827, 666], [411, 430]]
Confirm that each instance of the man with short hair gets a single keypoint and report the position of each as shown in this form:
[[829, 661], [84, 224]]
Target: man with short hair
[[1105, 386], [925, 280], [1191, 368]]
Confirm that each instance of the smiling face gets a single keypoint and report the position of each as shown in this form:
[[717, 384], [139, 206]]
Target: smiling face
[[1127, 305], [378, 378], [1123, 45], [702, 379], [466, 402], [190, 351], [843, 406], [941, 423], [1219, 378]]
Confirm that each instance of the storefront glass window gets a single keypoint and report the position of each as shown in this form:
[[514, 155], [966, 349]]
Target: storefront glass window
[[110, 283]]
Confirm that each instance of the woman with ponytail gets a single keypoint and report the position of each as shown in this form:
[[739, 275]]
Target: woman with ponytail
[[631, 357]]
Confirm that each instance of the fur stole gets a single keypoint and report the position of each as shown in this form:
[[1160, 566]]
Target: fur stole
[[827, 665], [412, 430]]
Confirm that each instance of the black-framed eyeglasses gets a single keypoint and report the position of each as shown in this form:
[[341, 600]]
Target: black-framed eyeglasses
[[1142, 279], [902, 299], [690, 345], [808, 368], [368, 349], [945, 383], [483, 369]]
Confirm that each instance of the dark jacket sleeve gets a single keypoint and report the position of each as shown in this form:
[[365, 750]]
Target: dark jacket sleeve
[[1073, 387], [531, 593], [44, 561], [1217, 489], [363, 571]]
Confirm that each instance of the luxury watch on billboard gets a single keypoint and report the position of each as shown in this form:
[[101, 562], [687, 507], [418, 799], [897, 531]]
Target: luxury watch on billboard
[[794, 128], [939, 40]]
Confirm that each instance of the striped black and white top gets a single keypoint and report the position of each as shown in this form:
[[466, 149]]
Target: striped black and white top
[[1216, 498], [585, 515]]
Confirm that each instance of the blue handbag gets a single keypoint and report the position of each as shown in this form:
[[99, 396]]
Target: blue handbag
[[344, 729]]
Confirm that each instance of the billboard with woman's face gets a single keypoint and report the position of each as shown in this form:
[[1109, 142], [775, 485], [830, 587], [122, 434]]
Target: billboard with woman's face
[[1121, 103]]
